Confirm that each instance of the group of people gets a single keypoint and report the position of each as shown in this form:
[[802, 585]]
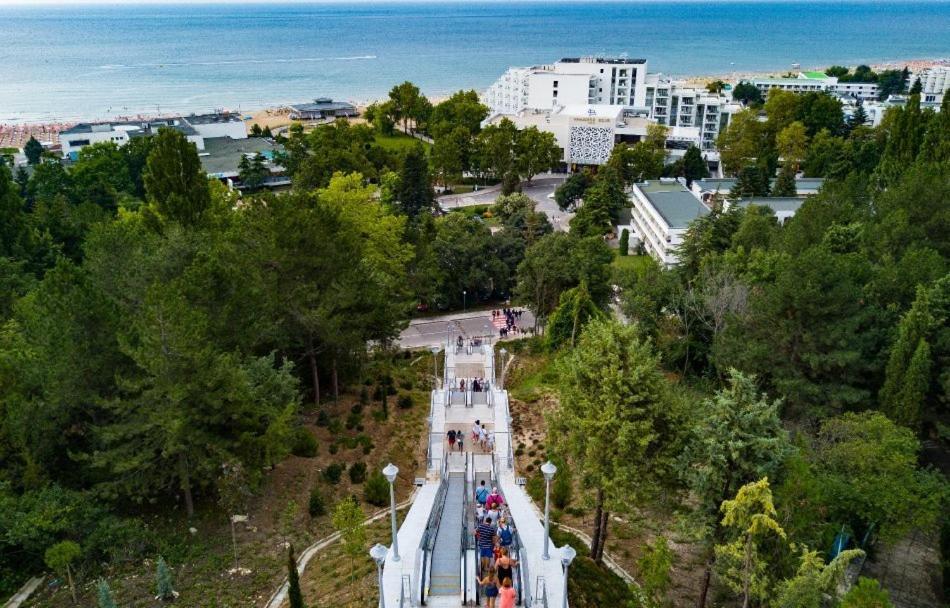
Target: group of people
[[478, 385], [511, 315], [481, 437], [472, 343], [494, 538]]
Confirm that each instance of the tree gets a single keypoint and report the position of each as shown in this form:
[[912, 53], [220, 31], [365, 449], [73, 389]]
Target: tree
[[537, 152], [815, 580], [497, 149], [294, 596], [603, 202], [654, 568], [546, 271], [891, 82], [376, 489], [858, 118], [752, 181], [462, 110], [715, 86], [174, 181], [624, 244], [104, 595], [694, 166], [415, 194], [405, 103], [837, 71], [747, 93], [348, 521], [743, 141], [450, 155], [737, 438], [572, 190], [614, 423], [819, 110], [785, 183], [866, 472], [164, 584], [750, 519], [60, 558], [867, 593], [252, 172], [575, 310], [33, 151], [791, 144]]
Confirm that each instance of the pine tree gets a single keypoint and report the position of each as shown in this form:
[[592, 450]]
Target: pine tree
[[907, 375], [752, 181], [936, 146], [414, 193], [104, 594], [294, 596], [33, 151], [785, 183], [164, 585], [913, 391], [624, 242], [694, 166], [916, 88], [858, 118], [175, 182]]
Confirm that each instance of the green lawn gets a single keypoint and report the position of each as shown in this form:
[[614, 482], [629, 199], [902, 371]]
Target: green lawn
[[633, 262], [398, 142]]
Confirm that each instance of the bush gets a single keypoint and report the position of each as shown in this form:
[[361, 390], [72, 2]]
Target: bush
[[624, 242], [334, 448], [404, 402], [333, 473], [562, 489], [336, 426], [317, 505], [364, 397], [358, 472], [353, 419], [405, 385], [376, 489], [305, 444], [535, 487], [357, 408], [323, 419]]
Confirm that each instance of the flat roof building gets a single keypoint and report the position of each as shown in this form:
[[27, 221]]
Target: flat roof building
[[322, 108], [661, 212]]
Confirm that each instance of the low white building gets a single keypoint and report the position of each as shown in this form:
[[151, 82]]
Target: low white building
[[809, 82], [934, 82], [661, 212], [196, 129]]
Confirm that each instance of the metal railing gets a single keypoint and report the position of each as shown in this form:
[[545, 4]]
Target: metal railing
[[405, 592], [427, 544], [541, 591], [522, 577]]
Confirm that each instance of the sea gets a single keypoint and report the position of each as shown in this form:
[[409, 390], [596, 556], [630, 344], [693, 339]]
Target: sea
[[72, 62]]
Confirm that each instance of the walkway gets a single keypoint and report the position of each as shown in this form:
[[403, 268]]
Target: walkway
[[438, 561]]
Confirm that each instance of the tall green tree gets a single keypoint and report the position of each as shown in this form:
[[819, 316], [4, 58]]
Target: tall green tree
[[33, 151], [615, 423], [406, 103], [415, 195], [575, 310], [175, 183], [537, 152], [694, 166], [294, 595]]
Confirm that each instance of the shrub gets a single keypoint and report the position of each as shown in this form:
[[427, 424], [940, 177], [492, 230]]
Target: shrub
[[305, 444], [562, 489], [364, 397], [334, 448], [357, 408], [405, 385], [333, 473], [404, 402], [535, 486], [353, 419], [323, 419], [376, 489], [336, 426], [317, 505], [358, 472], [624, 242]]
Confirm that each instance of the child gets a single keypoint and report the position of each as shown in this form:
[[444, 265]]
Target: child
[[491, 588]]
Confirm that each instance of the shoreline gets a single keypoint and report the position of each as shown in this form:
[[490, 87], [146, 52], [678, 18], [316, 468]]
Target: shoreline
[[14, 133]]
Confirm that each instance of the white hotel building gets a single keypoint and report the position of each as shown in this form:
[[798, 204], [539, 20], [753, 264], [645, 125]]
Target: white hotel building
[[597, 102]]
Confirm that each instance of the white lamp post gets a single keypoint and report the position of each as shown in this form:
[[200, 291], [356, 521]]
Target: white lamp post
[[501, 381], [464, 300], [435, 365], [567, 556], [378, 553], [548, 470], [390, 472]]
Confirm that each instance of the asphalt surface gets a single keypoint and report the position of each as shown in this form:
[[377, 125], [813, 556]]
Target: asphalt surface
[[431, 331], [540, 191]]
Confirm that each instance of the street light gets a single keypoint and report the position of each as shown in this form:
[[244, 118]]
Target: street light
[[567, 556], [378, 553], [501, 377], [548, 470], [390, 473], [464, 300], [435, 365]]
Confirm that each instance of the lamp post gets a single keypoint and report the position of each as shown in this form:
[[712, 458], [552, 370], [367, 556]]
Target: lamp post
[[567, 556], [464, 300], [435, 365], [501, 380], [548, 470], [390, 473], [378, 553]]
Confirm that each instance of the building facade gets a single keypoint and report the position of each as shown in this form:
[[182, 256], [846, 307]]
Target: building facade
[[660, 214], [934, 82]]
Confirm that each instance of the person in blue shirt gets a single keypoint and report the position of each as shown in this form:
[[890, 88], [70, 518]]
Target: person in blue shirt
[[481, 494]]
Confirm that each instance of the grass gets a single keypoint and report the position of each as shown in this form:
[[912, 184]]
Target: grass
[[398, 142], [590, 585], [636, 263]]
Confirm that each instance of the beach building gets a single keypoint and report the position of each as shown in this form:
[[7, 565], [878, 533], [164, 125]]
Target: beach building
[[934, 82], [322, 108], [661, 212], [817, 81], [221, 159], [709, 187], [196, 129]]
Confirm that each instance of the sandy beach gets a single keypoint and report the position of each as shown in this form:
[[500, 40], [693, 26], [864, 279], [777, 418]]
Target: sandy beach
[[16, 135]]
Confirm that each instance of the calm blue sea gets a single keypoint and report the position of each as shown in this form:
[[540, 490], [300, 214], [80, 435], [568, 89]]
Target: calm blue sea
[[69, 62]]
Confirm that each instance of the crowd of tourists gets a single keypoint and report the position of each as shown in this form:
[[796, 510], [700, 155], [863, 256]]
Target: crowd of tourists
[[481, 438], [478, 385], [494, 538]]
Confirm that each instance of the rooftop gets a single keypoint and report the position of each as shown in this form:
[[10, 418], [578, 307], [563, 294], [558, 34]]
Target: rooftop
[[673, 202], [222, 155], [724, 184], [323, 103], [777, 204], [815, 74], [624, 60], [217, 117]]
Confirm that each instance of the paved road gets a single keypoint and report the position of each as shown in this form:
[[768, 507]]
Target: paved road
[[539, 190], [433, 330]]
